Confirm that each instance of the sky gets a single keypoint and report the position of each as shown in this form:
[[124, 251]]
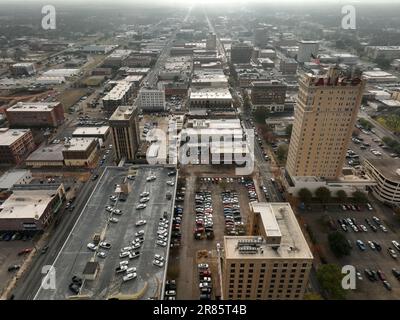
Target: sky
[[209, 1]]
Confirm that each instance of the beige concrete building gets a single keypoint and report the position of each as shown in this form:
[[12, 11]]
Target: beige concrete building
[[125, 132], [80, 152], [325, 115], [386, 172], [274, 264]]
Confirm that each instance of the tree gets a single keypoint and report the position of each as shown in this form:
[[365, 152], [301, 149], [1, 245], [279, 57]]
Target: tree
[[330, 278], [305, 195], [341, 195], [365, 123], [289, 129], [323, 194], [359, 197], [281, 152], [260, 114], [338, 244]]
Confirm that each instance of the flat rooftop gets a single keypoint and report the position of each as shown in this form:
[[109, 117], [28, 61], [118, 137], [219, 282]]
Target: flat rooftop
[[79, 144], [26, 204], [74, 255], [214, 123], [60, 72], [9, 178], [90, 131], [123, 113], [51, 152], [33, 106], [389, 168], [293, 244], [118, 91], [210, 93], [9, 136]]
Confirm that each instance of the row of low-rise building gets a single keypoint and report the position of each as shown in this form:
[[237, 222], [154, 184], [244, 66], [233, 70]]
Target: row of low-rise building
[[76, 152]]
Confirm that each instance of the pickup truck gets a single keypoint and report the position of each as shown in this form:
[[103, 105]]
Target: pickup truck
[[96, 238]]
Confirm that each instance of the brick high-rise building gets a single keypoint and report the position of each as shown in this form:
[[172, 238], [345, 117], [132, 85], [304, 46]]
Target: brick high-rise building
[[125, 132], [273, 264], [325, 114]]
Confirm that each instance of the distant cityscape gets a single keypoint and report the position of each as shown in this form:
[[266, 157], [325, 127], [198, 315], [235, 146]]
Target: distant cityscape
[[199, 151]]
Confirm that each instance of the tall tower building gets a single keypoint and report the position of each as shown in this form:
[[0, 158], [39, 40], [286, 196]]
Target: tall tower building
[[273, 264], [261, 36], [307, 49], [325, 114], [211, 43], [241, 53], [125, 132]]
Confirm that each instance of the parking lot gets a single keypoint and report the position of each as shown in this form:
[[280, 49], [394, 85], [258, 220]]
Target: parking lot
[[12, 257], [126, 232], [372, 259], [203, 249]]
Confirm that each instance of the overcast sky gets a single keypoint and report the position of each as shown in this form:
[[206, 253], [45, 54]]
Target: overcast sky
[[206, 1]]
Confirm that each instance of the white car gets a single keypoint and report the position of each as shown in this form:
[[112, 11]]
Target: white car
[[117, 211], [372, 246], [126, 249], [136, 245], [129, 276], [364, 228], [109, 208], [139, 233], [158, 257], [151, 178], [101, 254], [124, 263], [124, 254], [113, 220], [170, 183], [131, 270], [170, 293], [161, 243], [158, 263], [145, 199], [113, 198], [396, 244], [92, 246], [204, 285], [134, 255], [140, 223], [383, 228], [141, 206], [105, 245], [145, 194]]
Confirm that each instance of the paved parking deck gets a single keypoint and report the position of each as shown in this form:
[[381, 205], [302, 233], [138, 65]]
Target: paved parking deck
[[94, 219]]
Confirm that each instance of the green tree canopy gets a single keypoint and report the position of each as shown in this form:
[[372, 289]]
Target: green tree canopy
[[359, 196], [339, 244], [282, 151], [330, 278], [305, 195], [323, 194], [341, 195], [259, 114]]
